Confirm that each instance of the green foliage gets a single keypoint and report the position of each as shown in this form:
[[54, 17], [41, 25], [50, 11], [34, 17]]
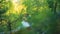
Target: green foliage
[[41, 16], [4, 6]]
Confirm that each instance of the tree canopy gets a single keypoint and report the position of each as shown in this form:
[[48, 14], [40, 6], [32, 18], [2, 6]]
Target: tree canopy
[[42, 15]]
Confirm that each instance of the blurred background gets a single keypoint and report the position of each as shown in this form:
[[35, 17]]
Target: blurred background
[[29, 16]]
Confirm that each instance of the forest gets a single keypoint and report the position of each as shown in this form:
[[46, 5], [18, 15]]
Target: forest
[[29, 16]]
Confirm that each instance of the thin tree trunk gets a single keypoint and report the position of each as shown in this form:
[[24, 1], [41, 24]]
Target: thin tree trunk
[[9, 27], [54, 9]]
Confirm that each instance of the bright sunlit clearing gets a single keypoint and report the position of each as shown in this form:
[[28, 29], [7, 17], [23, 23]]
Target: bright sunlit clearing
[[15, 0]]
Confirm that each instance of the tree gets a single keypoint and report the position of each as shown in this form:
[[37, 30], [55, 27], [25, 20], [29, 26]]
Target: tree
[[4, 6], [40, 13]]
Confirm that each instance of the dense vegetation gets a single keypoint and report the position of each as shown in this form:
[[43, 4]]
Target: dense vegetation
[[43, 16]]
